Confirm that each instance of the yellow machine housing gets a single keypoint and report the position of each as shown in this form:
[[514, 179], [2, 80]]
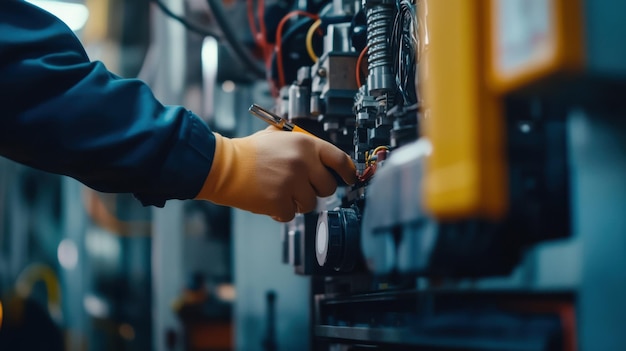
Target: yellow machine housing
[[469, 63]]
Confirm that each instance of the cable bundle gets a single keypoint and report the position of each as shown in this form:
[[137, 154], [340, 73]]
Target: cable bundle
[[404, 44]]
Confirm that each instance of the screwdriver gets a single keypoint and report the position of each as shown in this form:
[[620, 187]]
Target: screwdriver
[[275, 120], [283, 124]]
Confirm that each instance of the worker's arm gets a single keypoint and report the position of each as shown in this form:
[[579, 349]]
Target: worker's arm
[[66, 115], [61, 113]]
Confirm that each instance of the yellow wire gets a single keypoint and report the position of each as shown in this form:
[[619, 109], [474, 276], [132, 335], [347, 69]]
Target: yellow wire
[[369, 156], [380, 148], [309, 40], [39, 272]]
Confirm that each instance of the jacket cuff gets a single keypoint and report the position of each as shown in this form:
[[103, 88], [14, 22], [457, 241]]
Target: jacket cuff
[[187, 165]]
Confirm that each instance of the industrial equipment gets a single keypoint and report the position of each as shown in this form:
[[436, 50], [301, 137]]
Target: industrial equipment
[[490, 146], [458, 118]]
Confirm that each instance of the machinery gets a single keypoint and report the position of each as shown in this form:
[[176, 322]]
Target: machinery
[[360, 94], [490, 146], [458, 116]]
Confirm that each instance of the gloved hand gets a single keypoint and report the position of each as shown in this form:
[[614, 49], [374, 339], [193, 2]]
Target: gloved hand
[[274, 172]]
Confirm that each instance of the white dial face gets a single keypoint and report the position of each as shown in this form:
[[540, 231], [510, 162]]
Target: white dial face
[[322, 238]]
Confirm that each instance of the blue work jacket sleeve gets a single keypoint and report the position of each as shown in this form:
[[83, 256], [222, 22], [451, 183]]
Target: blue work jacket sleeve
[[64, 114]]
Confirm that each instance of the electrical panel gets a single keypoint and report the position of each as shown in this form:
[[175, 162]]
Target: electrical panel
[[457, 115]]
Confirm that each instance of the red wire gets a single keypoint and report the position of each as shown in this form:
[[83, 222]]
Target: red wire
[[359, 61], [368, 173], [263, 30], [279, 34], [259, 34]]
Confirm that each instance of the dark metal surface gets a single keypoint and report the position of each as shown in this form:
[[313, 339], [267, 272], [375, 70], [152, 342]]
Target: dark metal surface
[[407, 338]]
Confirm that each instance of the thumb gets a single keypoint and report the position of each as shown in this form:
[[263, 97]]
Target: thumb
[[339, 161]]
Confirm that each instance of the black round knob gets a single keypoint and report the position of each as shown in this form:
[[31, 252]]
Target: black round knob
[[337, 239]]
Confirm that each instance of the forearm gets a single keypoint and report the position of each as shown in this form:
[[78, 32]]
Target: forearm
[[66, 115]]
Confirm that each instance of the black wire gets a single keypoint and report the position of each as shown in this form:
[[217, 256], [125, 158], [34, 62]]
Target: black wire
[[403, 45], [229, 34], [410, 43], [395, 43], [291, 32], [188, 25]]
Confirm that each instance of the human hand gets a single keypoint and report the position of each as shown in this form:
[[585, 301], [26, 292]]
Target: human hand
[[275, 173]]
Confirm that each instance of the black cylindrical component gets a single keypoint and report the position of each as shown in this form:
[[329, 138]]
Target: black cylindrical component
[[337, 244]]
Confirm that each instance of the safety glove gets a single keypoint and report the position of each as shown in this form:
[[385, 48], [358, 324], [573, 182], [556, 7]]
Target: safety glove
[[275, 173]]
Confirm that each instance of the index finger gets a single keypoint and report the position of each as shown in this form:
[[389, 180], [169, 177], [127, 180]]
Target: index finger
[[338, 161]]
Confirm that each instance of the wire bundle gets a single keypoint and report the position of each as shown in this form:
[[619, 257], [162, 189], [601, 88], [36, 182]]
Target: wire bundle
[[379, 154], [273, 53], [404, 45], [259, 34], [279, 38]]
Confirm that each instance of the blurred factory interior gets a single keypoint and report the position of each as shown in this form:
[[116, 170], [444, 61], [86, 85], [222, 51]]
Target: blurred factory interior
[[490, 212]]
